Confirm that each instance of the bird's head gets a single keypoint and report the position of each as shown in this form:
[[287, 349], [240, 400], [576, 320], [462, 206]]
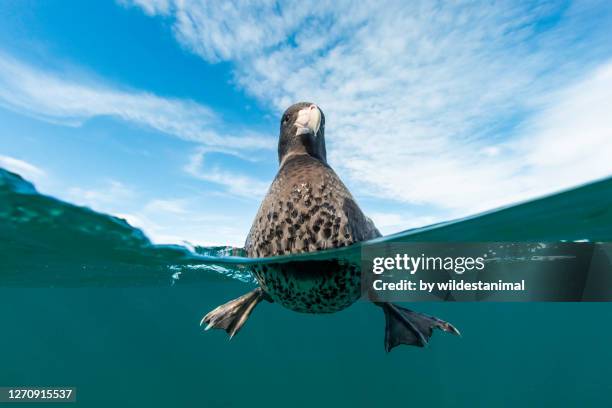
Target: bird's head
[[302, 131]]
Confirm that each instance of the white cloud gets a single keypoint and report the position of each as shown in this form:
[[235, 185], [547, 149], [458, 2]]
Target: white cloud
[[572, 137], [106, 198], [51, 97], [388, 223], [462, 106], [173, 206], [26, 170], [234, 183]]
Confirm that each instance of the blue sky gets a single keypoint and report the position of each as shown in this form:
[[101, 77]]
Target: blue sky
[[166, 112]]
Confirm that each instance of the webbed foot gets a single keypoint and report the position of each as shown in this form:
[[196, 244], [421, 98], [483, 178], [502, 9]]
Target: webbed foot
[[404, 326], [232, 315]]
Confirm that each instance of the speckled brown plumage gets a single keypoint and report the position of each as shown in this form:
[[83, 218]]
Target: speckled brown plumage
[[306, 209]]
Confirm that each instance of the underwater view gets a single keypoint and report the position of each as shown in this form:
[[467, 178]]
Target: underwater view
[[89, 302]]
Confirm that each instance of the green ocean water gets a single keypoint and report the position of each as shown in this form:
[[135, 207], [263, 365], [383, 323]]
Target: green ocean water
[[87, 301]]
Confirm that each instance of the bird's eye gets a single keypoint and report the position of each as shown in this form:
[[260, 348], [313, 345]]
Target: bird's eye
[[285, 118]]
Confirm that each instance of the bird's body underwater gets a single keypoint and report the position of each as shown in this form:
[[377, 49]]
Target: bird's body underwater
[[306, 209]]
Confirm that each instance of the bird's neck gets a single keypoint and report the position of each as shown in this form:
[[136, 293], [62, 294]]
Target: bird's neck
[[289, 147]]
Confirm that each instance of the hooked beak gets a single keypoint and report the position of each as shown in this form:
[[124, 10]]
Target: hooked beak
[[308, 120]]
